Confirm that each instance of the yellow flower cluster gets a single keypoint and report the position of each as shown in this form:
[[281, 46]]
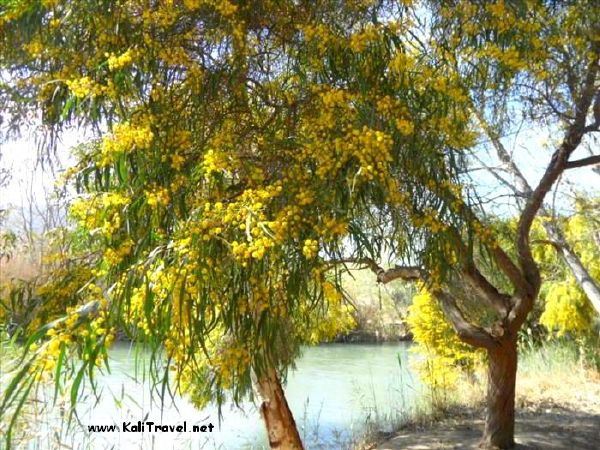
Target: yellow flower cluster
[[136, 313], [177, 161], [255, 249], [436, 339], [225, 7], [360, 40], [34, 48], [401, 62], [125, 138], [317, 33], [567, 309], [230, 361], [115, 256], [405, 127], [118, 62], [485, 234], [214, 162], [82, 87], [337, 319], [244, 222], [430, 219], [372, 149], [158, 197], [100, 211], [48, 353], [66, 330], [311, 248], [331, 228]]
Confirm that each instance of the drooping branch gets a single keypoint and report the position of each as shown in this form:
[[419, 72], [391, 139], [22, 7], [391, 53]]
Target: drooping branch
[[85, 311]]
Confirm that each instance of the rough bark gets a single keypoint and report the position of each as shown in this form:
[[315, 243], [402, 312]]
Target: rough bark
[[502, 373], [279, 421]]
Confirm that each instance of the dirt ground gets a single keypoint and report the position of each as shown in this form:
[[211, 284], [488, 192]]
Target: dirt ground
[[551, 428], [552, 413]]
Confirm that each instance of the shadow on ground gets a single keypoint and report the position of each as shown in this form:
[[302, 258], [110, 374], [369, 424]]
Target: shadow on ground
[[553, 429]]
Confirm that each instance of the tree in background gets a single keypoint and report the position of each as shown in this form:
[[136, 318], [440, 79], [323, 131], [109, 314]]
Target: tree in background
[[568, 309], [247, 148], [533, 58], [563, 310], [522, 190]]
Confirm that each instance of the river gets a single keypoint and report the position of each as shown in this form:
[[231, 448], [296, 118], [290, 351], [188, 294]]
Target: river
[[335, 391]]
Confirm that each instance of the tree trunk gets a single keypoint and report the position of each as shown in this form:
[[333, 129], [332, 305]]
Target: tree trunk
[[281, 427], [502, 373], [581, 274]]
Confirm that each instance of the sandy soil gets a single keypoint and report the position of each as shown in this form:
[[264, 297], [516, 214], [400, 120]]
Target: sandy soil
[[551, 415], [552, 428]]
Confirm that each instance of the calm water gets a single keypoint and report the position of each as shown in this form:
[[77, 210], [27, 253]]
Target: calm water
[[334, 391]]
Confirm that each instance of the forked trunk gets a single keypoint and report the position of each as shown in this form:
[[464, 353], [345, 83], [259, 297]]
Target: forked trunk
[[281, 427], [502, 373]]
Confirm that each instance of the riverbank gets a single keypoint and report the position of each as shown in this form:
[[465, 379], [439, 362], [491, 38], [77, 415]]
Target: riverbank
[[558, 407], [543, 428]]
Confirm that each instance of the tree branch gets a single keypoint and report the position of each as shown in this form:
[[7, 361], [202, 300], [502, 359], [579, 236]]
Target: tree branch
[[595, 126], [407, 273], [591, 160], [499, 301], [467, 332], [556, 167]]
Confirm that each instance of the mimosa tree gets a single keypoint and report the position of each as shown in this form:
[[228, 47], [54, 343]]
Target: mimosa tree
[[244, 147]]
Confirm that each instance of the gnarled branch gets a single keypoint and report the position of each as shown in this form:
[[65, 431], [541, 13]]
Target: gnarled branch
[[467, 332]]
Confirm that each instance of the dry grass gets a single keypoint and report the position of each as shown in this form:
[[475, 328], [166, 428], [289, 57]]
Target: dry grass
[[22, 267], [554, 376], [549, 376]]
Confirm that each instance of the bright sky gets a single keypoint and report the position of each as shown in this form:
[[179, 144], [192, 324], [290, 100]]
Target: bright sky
[[29, 179], [532, 149]]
